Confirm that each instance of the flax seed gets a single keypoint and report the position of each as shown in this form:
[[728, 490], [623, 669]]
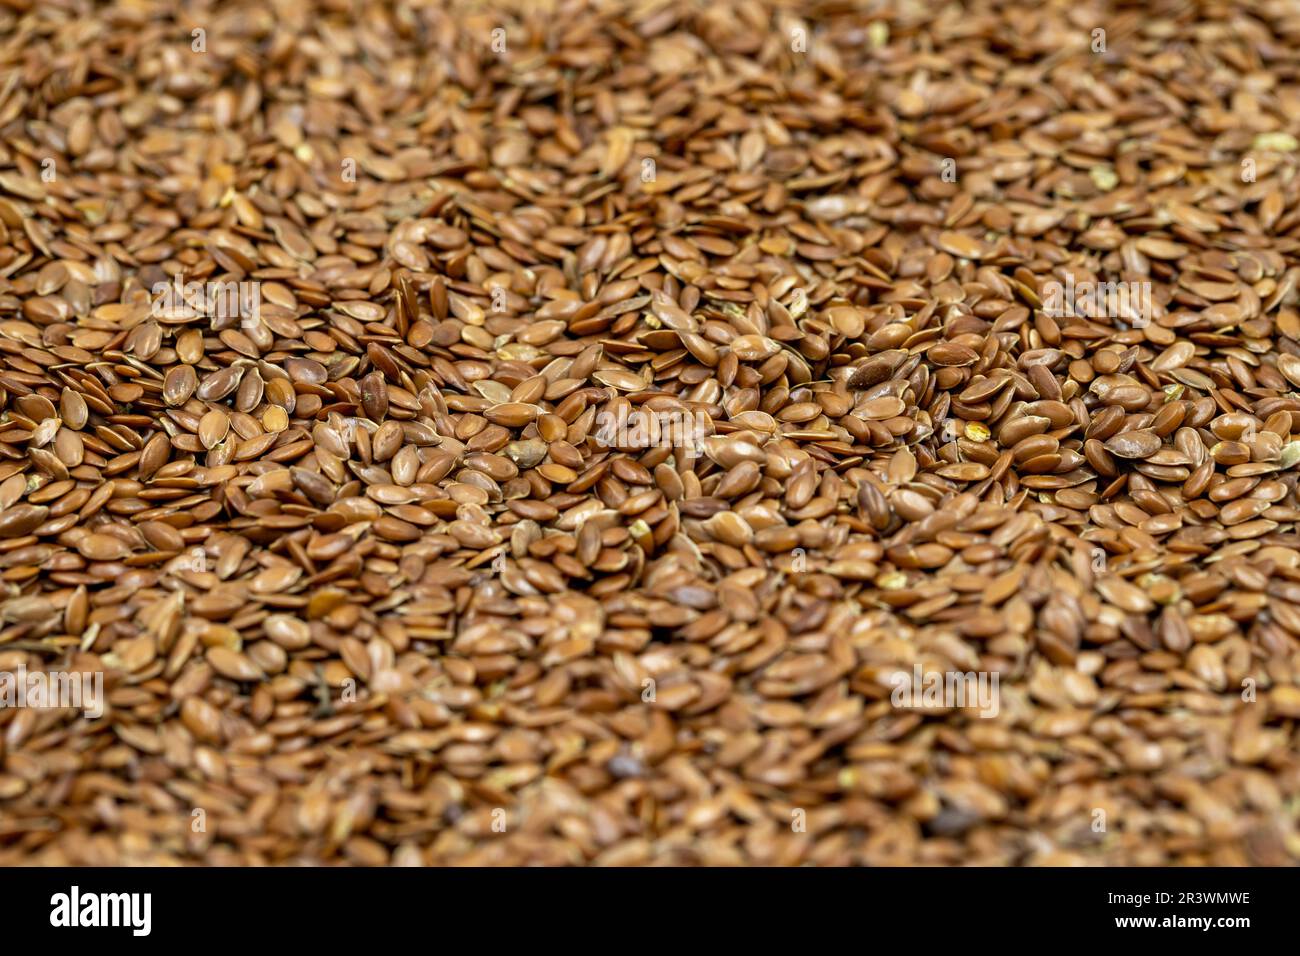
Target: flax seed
[[611, 428]]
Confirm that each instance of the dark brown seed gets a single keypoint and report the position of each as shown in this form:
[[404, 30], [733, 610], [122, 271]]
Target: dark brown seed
[[180, 383], [374, 396], [21, 519]]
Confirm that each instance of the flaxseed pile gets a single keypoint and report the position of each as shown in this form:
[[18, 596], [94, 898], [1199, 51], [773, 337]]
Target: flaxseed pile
[[607, 411]]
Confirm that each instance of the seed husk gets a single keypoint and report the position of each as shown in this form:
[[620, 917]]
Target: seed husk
[[1139, 443]]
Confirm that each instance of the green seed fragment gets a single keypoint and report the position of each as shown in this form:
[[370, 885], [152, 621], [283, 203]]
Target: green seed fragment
[[1276, 142], [1104, 178]]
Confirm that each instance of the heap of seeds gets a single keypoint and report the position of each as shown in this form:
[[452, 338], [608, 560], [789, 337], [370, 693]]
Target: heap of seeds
[[367, 585]]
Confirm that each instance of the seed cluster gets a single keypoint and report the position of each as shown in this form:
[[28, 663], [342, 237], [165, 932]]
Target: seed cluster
[[363, 582]]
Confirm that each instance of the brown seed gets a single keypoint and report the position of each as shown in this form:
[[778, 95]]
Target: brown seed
[[374, 396], [179, 385], [233, 664], [876, 369], [213, 428], [878, 409], [219, 384], [511, 414], [1289, 366], [103, 547], [73, 410], [961, 245], [21, 519]]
